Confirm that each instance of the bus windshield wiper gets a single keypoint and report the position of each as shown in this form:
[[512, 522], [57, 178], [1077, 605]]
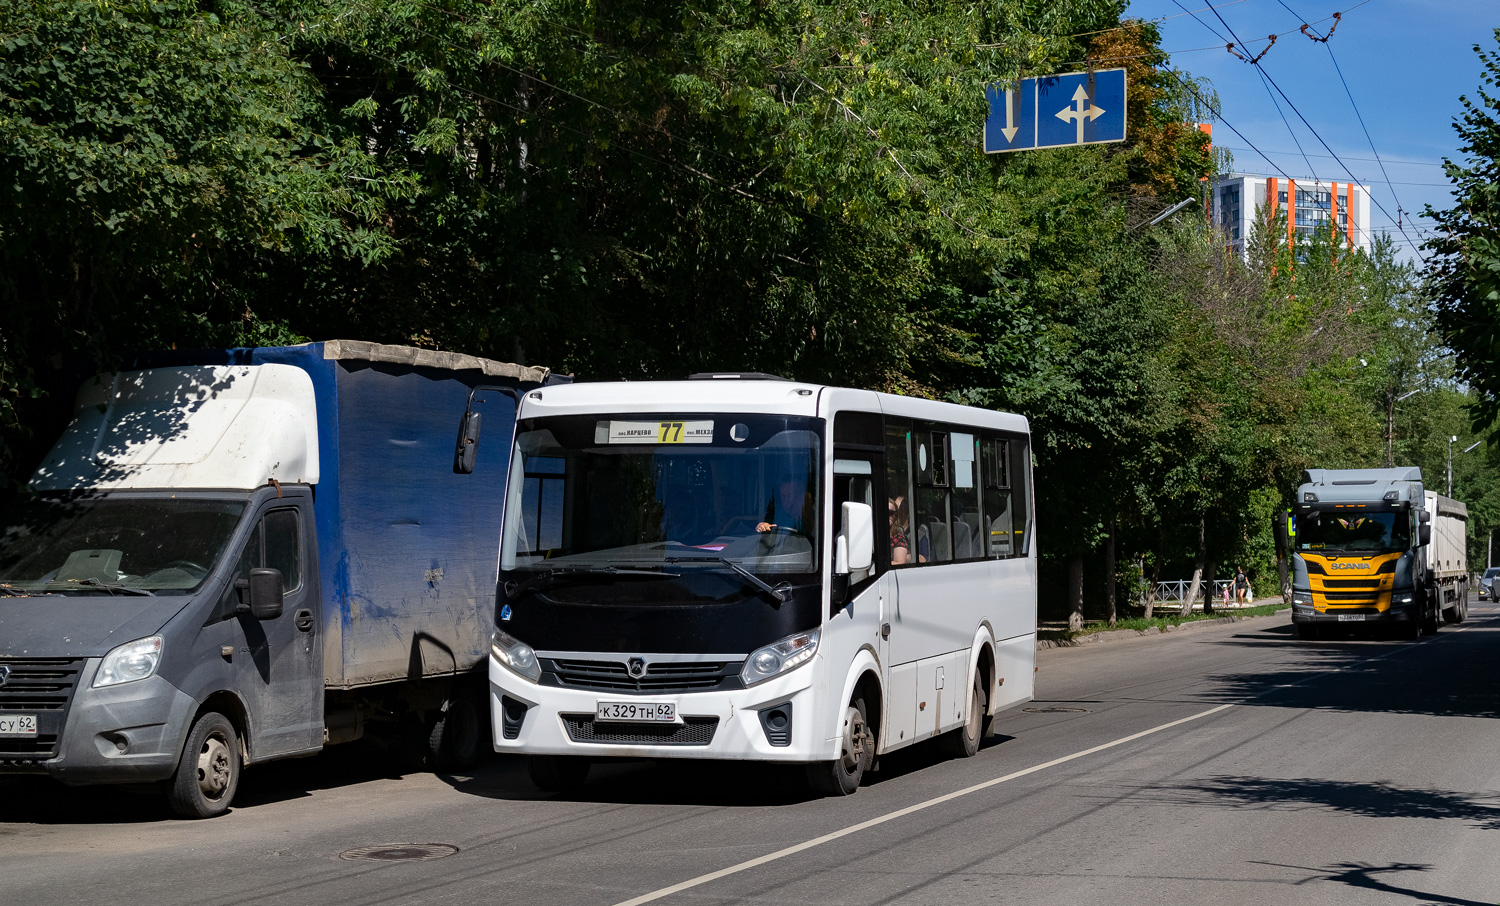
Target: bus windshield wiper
[[778, 592], [548, 575], [115, 588]]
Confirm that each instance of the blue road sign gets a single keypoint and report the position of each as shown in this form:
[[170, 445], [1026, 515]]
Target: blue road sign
[[1075, 108]]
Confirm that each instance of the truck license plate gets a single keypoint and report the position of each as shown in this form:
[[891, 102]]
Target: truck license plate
[[1351, 617], [636, 712], [17, 724]]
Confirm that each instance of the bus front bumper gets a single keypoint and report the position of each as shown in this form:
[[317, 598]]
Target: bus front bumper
[[723, 724]]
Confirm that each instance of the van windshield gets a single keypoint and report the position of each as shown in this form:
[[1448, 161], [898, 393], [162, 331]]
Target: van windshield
[[1348, 530], [111, 545], [666, 492]]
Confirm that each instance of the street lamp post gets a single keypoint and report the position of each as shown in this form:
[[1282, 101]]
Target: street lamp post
[[1451, 439], [1390, 426]]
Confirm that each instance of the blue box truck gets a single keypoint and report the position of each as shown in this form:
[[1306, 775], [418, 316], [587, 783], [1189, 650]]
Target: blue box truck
[[242, 555]]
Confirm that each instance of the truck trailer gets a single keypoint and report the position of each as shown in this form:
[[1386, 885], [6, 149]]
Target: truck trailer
[[236, 556], [1374, 546]]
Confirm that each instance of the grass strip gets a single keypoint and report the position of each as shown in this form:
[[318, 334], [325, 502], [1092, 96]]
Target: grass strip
[[1159, 623]]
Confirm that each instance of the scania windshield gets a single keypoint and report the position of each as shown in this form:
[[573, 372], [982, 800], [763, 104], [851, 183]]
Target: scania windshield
[[1327, 531], [111, 545], [650, 505]]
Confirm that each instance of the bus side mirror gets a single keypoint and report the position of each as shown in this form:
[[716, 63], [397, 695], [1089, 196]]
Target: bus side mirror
[[859, 532], [1424, 533], [468, 443]]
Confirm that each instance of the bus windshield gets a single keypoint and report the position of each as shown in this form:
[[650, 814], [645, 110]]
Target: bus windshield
[[665, 492], [1353, 530]]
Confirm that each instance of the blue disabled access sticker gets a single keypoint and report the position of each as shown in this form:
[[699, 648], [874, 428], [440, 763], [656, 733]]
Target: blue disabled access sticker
[[505, 612]]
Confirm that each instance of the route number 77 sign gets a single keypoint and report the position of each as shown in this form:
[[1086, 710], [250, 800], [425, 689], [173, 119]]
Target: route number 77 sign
[[1074, 108]]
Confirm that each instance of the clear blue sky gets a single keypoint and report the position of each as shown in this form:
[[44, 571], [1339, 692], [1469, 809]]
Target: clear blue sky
[[1406, 63]]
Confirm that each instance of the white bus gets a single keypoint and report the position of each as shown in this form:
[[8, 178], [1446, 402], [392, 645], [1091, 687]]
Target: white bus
[[743, 567]]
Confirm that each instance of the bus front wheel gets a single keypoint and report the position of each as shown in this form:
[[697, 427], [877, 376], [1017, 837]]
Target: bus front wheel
[[842, 776]]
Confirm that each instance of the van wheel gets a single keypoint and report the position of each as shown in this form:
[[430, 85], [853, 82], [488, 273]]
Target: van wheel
[[843, 775], [208, 771], [457, 738], [964, 742], [557, 773]]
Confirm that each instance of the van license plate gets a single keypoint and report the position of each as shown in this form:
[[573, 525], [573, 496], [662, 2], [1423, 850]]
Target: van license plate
[[1351, 618], [17, 724], [636, 712]]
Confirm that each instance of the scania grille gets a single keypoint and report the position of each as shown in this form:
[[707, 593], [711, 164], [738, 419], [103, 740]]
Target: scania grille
[[663, 676], [693, 731], [1366, 584], [1340, 597], [40, 686]]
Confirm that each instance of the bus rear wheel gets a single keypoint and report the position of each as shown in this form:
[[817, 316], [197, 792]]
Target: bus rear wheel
[[964, 741], [843, 775]]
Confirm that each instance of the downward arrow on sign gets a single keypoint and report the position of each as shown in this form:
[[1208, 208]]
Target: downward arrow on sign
[[1011, 128]]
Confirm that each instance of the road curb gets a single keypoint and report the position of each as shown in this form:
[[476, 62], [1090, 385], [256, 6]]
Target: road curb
[[1118, 635]]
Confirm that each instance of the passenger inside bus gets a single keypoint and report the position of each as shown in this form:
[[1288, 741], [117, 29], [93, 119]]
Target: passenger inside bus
[[900, 526]]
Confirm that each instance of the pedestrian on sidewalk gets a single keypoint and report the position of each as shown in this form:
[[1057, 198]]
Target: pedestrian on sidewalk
[[1241, 586]]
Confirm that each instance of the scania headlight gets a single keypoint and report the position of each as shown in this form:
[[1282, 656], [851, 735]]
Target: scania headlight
[[779, 657], [516, 655], [1402, 597], [130, 662], [1301, 597]]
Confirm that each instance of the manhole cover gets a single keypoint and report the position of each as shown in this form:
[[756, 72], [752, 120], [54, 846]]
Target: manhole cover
[[399, 852], [1056, 710]]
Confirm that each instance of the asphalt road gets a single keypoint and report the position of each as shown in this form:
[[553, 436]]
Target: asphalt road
[[1229, 764]]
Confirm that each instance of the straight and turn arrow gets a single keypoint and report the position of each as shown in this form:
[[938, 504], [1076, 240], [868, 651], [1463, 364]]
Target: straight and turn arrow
[[1078, 114]]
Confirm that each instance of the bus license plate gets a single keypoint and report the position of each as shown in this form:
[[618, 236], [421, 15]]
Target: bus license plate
[[1351, 618], [17, 724], [636, 712]]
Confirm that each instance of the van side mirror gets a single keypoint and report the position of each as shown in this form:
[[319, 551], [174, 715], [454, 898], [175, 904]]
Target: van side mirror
[[468, 443], [266, 588], [1424, 533]]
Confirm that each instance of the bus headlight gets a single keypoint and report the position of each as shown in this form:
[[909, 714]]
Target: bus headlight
[[516, 655], [779, 657], [130, 662]]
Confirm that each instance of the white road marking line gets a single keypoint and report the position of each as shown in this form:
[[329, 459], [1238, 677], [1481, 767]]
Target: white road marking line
[[901, 813]]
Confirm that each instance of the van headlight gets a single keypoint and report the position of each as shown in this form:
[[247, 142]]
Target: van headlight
[[516, 655], [779, 657], [130, 662]]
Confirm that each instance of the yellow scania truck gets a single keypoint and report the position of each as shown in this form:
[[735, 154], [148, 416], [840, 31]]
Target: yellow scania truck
[[1374, 546]]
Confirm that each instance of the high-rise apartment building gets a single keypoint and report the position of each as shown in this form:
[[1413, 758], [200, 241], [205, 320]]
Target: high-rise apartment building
[[1236, 199]]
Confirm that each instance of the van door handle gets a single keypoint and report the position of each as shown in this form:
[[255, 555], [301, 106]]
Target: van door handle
[[303, 620]]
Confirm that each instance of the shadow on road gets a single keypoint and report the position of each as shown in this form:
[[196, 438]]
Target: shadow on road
[[41, 800], [1448, 675], [1366, 800], [1363, 875]]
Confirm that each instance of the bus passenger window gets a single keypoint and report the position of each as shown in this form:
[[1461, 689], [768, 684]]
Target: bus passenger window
[[1020, 470], [994, 463], [967, 538], [898, 492]]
